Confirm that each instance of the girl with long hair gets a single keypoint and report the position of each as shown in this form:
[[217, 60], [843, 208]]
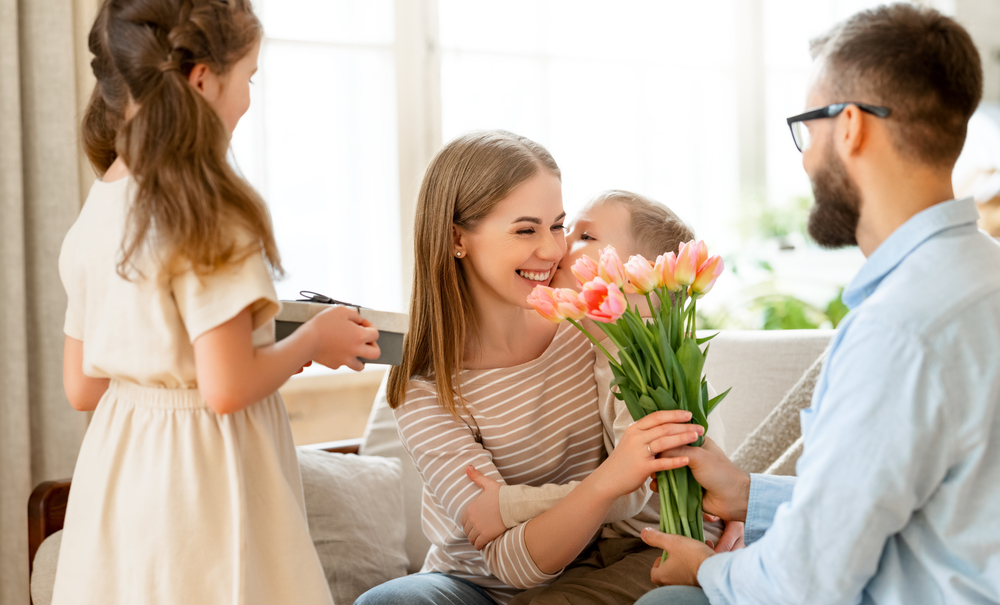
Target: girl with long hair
[[186, 488]]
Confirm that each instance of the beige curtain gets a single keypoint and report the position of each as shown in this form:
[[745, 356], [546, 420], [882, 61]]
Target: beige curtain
[[43, 79]]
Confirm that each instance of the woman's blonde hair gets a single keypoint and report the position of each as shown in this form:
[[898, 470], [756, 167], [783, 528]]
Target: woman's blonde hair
[[462, 185], [655, 229], [199, 209]]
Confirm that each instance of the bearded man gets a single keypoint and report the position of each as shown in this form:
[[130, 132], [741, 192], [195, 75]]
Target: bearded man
[[897, 494]]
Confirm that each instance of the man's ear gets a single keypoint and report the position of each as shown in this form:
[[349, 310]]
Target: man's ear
[[855, 130], [457, 243]]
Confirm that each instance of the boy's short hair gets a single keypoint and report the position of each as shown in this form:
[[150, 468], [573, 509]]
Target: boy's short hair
[[655, 228], [917, 62]]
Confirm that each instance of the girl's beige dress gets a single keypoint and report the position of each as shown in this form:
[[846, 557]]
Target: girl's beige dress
[[172, 503]]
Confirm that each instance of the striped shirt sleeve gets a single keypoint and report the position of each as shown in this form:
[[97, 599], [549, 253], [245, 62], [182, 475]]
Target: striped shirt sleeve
[[442, 447]]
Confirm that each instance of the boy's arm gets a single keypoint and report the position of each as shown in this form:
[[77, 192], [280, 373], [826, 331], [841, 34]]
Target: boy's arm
[[520, 503]]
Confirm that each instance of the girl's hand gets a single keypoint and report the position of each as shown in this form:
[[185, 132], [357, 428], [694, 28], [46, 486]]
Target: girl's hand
[[343, 337], [482, 521], [634, 458]]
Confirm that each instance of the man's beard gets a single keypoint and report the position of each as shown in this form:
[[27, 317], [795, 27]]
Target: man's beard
[[833, 220]]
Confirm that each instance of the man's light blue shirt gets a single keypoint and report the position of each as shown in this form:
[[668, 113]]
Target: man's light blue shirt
[[897, 498]]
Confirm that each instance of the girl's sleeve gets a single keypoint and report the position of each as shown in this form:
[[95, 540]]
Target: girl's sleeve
[[208, 301], [442, 447]]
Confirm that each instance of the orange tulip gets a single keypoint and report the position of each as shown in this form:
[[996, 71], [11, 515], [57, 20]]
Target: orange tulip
[[686, 269], [605, 302], [568, 304], [708, 273], [665, 265]]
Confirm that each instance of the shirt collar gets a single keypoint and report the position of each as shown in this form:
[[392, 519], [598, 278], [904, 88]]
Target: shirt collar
[[904, 240]]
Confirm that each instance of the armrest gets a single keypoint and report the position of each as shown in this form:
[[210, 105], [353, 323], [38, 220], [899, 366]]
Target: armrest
[[344, 446], [46, 514]]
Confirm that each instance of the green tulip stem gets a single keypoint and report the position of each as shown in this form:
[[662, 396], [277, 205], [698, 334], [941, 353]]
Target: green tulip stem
[[597, 344]]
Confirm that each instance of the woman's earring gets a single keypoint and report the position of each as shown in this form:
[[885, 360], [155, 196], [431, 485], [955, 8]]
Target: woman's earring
[[458, 254]]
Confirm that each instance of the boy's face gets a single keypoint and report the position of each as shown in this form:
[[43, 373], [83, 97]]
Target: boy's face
[[597, 226]]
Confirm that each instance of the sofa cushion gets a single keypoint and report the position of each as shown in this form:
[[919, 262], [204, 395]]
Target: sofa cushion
[[43, 573], [761, 367], [381, 438], [356, 519]]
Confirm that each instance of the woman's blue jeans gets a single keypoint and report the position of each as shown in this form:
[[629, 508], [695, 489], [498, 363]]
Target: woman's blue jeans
[[426, 589]]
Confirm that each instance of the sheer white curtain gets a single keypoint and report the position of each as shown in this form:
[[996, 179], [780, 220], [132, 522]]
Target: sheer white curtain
[[320, 143]]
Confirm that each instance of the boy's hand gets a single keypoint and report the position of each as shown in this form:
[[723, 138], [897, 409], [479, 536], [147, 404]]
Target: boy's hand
[[343, 336], [685, 557], [635, 457], [482, 521]]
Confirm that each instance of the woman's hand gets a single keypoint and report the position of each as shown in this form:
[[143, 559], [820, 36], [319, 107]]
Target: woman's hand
[[482, 521], [684, 558], [634, 458]]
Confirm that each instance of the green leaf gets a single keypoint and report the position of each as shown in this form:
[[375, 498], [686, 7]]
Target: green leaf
[[664, 400], [716, 401], [647, 404], [702, 341], [690, 357], [632, 403]]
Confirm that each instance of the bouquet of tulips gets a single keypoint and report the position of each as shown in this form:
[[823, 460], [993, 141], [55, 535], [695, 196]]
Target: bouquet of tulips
[[660, 362]]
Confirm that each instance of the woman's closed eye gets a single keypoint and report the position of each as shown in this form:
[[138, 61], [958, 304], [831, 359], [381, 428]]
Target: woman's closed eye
[[531, 230], [588, 237]]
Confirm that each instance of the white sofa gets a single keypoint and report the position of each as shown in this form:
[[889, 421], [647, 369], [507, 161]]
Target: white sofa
[[366, 533]]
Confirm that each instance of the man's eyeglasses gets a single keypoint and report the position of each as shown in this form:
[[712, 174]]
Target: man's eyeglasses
[[800, 134]]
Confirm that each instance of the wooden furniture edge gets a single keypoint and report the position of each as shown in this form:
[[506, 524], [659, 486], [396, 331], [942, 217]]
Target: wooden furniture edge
[[47, 504]]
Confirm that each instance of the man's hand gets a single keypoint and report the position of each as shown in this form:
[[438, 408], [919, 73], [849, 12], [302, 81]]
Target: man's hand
[[727, 488], [731, 538], [685, 557], [482, 521]]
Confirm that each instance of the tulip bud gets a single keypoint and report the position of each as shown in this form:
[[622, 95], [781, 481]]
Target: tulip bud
[[584, 269], [610, 268], [708, 273], [569, 305], [542, 299], [641, 275], [686, 269], [665, 265]]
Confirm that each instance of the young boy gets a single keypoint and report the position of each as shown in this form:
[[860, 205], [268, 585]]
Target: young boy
[[615, 570]]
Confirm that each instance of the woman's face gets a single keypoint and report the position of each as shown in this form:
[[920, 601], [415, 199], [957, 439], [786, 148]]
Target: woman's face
[[517, 246], [607, 224]]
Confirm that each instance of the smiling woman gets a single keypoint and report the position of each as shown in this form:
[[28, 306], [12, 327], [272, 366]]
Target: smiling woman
[[487, 382]]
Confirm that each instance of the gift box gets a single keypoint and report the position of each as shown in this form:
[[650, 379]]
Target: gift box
[[392, 327]]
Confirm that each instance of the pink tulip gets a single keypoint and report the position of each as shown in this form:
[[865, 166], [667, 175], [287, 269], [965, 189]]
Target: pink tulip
[[702, 250], [708, 273], [610, 268], [605, 302], [542, 298], [641, 275], [686, 269], [585, 269], [665, 265], [569, 305]]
